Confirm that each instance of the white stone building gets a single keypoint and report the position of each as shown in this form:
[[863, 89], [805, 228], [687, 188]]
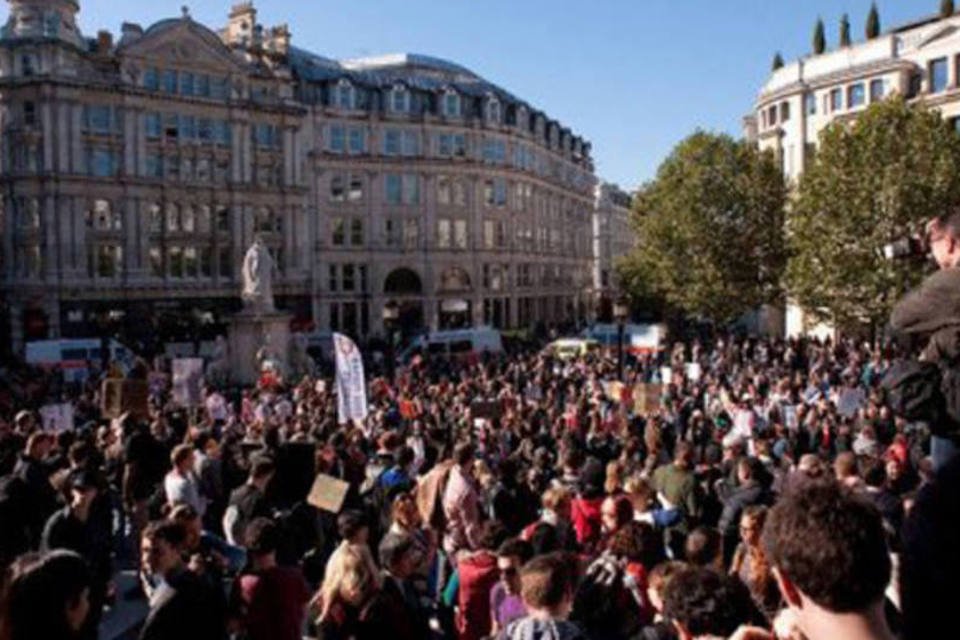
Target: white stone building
[[136, 172], [613, 238], [920, 61]]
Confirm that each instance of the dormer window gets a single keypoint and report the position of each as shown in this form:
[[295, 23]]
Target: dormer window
[[494, 115], [450, 106], [345, 96], [399, 101], [523, 118]]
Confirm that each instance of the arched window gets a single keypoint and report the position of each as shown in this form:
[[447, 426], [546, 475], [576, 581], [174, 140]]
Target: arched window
[[403, 281]]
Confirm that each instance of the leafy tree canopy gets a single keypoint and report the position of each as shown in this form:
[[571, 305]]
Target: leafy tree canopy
[[872, 181], [710, 229]]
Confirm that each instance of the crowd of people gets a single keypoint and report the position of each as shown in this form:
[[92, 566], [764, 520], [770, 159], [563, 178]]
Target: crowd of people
[[739, 488]]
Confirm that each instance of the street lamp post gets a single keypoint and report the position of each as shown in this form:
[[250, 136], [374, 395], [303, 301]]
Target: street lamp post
[[620, 312], [391, 314]]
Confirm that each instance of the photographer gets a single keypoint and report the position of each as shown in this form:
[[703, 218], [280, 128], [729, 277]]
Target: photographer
[[933, 310]]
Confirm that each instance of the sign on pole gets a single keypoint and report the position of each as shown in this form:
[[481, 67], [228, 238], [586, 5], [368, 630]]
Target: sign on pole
[[188, 382], [351, 384]]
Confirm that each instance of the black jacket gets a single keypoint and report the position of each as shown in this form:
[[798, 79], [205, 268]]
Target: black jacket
[[746, 495], [933, 310]]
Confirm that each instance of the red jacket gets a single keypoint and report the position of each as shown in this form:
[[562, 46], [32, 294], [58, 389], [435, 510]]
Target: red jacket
[[585, 514], [478, 575]]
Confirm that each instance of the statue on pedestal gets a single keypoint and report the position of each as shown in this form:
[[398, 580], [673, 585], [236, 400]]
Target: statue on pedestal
[[257, 273]]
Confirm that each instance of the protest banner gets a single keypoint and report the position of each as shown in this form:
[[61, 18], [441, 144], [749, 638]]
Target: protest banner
[[646, 398], [351, 384], [57, 417], [187, 382], [119, 396], [328, 493]]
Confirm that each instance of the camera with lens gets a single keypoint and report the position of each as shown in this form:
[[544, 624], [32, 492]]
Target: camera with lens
[[912, 247]]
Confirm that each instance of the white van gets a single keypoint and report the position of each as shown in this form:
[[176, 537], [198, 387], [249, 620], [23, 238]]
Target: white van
[[455, 343], [74, 355], [637, 338]]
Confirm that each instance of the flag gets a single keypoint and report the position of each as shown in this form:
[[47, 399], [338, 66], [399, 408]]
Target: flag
[[188, 382], [351, 385]]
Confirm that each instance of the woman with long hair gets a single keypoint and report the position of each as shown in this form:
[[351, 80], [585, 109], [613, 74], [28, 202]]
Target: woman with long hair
[[750, 562], [350, 584], [45, 596]]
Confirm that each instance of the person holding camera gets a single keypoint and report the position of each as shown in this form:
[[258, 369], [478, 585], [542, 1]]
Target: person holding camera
[[933, 311]]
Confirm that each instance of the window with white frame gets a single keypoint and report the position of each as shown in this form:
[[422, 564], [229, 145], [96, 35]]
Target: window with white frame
[[493, 111], [399, 101], [345, 96], [451, 104]]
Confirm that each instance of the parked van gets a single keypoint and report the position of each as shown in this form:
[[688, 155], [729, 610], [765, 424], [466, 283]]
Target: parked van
[[455, 343], [73, 356], [569, 348], [638, 339]]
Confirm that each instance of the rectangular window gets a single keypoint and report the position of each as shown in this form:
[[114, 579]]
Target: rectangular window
[[444, 233], [451, 105], [445, 145], [784, 111], [170, 81], [411, 188], [223, 218], [332, 282], [501, 234], [443, 190], [336, 143], [153, 125], [358, 140], [411, 233], [393, 188], [223, 133], [188, 127], [836, 100], [102, 163], [355, 193], [154, 166], [225, 263], [338, 233], [938, 75], [156, 262], [203, 85], [460, 234], [151, 79], [411, 143], [337, 193], [204, 132], [187, 84], [98, 118], [349, 277], [399, 101], [391, 142], [390, 233], [876, 90], [856, 95], [190, 264], [500, 192], [356, 232], [206, 262], [488, 234], [175, 261]]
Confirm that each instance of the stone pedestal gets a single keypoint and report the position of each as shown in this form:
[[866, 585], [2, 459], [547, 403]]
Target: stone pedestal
[[248, 333]]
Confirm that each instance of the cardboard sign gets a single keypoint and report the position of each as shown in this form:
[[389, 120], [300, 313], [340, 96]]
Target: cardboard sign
[[57, 417], [328, 493], [646, 398], [124, 396], [489, 409], [188, 382], [694, 371]]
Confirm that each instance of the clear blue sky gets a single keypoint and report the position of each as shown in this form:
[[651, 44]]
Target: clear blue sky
[[632, 76]]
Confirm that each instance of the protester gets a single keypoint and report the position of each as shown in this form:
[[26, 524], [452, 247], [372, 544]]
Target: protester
[[45, 596]]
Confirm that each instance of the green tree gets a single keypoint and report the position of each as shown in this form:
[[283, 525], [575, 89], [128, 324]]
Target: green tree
[[777, 61], [872, 29], [710, 229], [946, 8], [872, 181], [844, 31], [819, 38]]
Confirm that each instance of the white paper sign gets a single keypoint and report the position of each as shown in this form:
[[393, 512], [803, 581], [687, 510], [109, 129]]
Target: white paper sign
[[188, 382], [57, 417], [351, 384], [694, 372]]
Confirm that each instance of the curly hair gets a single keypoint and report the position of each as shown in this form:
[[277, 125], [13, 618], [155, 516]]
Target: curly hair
[[830, 543], [707, 602]]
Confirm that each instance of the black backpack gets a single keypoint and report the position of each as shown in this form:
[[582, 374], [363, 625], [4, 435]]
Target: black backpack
[[927, 392]]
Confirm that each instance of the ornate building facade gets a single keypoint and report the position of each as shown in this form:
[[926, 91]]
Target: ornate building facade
[[136, 172], [920, 61]]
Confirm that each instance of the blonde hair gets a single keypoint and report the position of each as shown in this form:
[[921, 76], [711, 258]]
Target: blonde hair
[[554, 497], [351, 567]]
